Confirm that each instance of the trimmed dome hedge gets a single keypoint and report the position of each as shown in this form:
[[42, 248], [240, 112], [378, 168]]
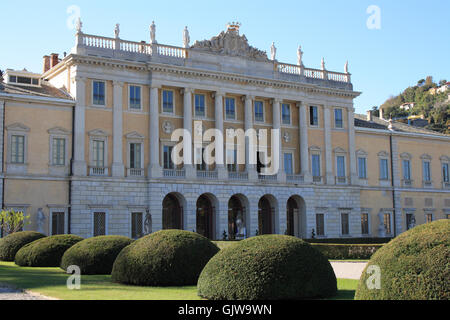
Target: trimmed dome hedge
[[12, 243], [45, 252], [414, 266], [95, 255], [268, 267], [164, 258]]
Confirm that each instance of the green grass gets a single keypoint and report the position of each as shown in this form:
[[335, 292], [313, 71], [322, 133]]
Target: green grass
[[52, 282]]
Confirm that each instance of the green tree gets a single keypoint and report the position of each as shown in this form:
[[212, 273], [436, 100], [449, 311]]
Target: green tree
[[12, 221]]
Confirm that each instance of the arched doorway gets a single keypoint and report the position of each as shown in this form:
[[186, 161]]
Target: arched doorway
[[172, 213], [296, 217], [236, 219], [205, 217], [266, 213]]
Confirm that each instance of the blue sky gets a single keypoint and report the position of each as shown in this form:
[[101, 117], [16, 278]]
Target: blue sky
[[413, 41]]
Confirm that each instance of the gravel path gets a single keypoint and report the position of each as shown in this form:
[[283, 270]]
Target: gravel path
[[10, 293], [348, 270]]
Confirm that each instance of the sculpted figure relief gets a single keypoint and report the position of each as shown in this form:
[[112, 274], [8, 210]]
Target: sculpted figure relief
[[231, 43]]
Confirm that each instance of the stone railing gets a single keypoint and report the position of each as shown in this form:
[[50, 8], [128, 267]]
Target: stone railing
[[266, 177], [232, 175], [98, 171], [312, 73], [295, 178], [100, 42], [132, 172], [208, 175], [174, 173]]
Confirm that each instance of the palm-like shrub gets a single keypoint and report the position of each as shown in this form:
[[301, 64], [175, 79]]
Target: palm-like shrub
[[267, 267], [45, 252], [413, 266], [95, 255], [10, 244], [164, 258]]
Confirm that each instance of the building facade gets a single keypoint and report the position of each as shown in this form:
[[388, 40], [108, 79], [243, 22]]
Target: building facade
[[87, 145]]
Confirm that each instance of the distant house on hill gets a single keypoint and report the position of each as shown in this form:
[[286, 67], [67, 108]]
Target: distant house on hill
[[407, 106], [440, 89]]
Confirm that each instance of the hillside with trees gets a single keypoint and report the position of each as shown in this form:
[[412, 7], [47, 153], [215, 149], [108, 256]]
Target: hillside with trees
[[433, 107]]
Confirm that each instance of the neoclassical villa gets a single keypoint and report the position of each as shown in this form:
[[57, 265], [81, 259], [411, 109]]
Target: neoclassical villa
[[87, 146]]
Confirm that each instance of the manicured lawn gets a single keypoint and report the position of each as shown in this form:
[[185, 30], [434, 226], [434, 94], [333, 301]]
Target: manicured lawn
[[52, 282]]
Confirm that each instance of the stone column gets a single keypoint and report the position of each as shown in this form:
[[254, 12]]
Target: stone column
[[79, 167], [154, 170], [248, 110], [351, 144], [117, 165], [329, 176], [2, 137], [187, 141], [304, 152], [219, 141], [281, 177]]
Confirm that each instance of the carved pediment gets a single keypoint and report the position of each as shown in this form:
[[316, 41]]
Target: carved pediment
[[98, 133], [232, 44], [59, 130], [134, 135], [17, 127]]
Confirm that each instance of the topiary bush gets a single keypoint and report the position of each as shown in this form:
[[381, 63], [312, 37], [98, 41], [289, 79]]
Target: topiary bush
[[10, 244], [164, 258], [45, 252], [95, 255], [413, 266], [268, 267]]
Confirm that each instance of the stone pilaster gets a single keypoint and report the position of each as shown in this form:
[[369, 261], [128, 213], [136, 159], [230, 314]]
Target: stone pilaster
[[154, 169], [351, 144], [219, 140], [250, 167], [304, 153], [329, 177], [187, 141], [79, 167], [278, 144], [118, 169]]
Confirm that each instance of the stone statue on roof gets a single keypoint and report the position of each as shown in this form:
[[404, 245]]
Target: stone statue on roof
[[153, 33], [117, 30], [186, 37], [273, 51], [299, 56]]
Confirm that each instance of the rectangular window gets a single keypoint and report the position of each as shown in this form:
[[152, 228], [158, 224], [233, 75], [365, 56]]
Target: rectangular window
[[230, 109], [445, 172], [167, 101], [136, 225], [320, 224], [406, 170], [135, 156], [232, 160], [344, 224], [259, 111], [362, 168], [429, 217], [387, 222], [98, 94], [199, 159], [286, 113], [426, 171], [12, 79], [288, 165], [17, 149], [200, 105], [340, 162], [168, 163], [99, 153], [384, 169], [59, 151], [57, 223], [135, 97], [315, 163], [409, 221], [99, 224], [313, 116], [338, 122], [365, 223]]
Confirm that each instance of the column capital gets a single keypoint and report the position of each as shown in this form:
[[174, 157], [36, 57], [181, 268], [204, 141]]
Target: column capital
[[218, 94], [187, 90], [277, 100], [155, 86], [79, 79], [118, 83], [247, 97], [301, 104]]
